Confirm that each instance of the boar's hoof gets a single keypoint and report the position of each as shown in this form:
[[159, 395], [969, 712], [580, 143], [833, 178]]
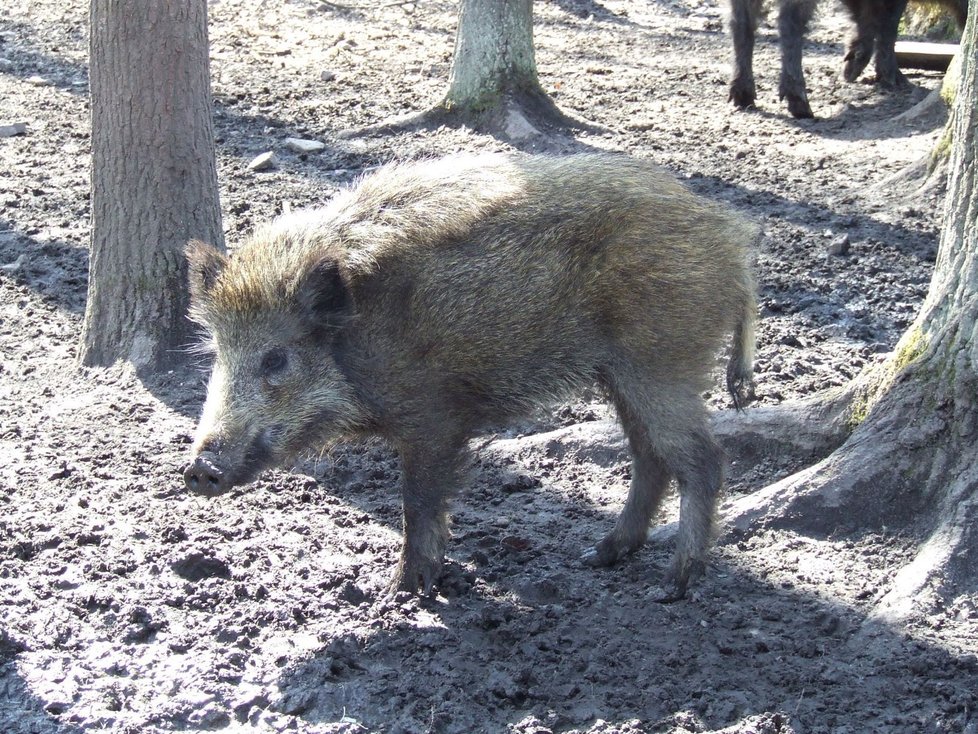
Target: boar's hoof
[[673, 587], [856, 59], [799, 107], [416, 576], [742, 93], [605, 553], [892, 80], [205, 477]]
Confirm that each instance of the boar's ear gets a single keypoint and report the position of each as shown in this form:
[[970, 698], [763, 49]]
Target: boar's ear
[[323, 297], [204, 264]]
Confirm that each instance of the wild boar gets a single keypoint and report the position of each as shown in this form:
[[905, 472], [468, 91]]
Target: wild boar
[[440, 298]]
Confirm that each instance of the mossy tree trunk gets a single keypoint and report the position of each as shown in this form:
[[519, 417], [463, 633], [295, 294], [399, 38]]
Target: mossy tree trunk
[[154, 177], [909, 461], [493, 84], [493, 54]]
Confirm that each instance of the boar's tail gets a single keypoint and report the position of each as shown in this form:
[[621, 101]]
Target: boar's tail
[[740, 368]]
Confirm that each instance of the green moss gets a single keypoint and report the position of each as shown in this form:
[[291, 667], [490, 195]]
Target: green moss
[[949, 86], [929, 19], [858, 411], [911, 348], [942, 150]]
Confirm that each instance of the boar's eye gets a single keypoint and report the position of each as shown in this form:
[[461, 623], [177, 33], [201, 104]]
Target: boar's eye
[[274, 362]]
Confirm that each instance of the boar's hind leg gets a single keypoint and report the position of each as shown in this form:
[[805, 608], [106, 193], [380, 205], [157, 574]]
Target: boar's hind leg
[[793, 21], [668, 431], [650, 479], [744, 15], [432, 475], [699, 472]]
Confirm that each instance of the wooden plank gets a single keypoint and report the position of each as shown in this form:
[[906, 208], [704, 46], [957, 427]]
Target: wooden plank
[[919, 55]]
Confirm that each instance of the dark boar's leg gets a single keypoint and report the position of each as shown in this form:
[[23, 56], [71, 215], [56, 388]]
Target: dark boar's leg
[[668, 433], [432, 474], [700, 477], [792, 24], [887, 73], [860, 48], [743, 27], [650, 479]]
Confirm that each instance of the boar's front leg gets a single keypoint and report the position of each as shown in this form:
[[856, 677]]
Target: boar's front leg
[[744, 15], [432, 473], [793, 21], [888, 75]]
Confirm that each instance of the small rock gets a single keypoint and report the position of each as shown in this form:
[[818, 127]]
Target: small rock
[[327, 76], [839, 246], [264, 162], [37, 81], [516, 543], [248, 696], [518, 127], [300, 145], [352, 594], [209, 718], [15, 265], [15, 128], [520, 483]]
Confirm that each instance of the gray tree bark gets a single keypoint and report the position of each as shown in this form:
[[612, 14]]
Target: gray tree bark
[[493, 53], [493, 82], [154, 177], [910, 461]]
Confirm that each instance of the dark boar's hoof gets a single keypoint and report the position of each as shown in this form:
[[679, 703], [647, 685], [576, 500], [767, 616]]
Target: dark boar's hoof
[[204, 477], [799, 107], [415, 576], [893, 81], [673, 587], [856, 59], [742, 94], [606, 553]]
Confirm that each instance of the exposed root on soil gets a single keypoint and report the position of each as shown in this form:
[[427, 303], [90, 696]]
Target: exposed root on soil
[[906, 467], [518, 116]]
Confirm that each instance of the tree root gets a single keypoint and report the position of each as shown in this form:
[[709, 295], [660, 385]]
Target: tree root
[[519, 117], [905, 467]]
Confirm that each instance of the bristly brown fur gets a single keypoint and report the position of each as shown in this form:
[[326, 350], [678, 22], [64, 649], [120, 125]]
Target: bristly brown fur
[[436, 298]]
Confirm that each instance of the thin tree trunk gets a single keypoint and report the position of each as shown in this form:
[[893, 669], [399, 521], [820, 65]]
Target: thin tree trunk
[[154, 177], [493, 53], [493, 83]]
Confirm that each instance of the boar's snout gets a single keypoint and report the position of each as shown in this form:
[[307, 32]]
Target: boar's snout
[[204, 476]]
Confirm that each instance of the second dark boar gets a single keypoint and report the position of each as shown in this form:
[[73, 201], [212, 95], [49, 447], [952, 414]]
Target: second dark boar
[[440, 298]]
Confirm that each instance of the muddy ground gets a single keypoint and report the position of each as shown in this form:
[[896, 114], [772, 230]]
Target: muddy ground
[[128, 606]]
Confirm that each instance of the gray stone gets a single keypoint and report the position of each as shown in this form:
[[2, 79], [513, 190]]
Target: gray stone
[[16, 128], [839, 246], [264, 162], [301, 145]]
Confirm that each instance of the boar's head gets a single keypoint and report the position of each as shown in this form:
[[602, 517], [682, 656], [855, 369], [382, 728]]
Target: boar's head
[[275, 314]]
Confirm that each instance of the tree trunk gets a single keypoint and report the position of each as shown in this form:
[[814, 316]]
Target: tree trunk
[[493, 54], [910, 463], [493, 84], [154, 177]]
